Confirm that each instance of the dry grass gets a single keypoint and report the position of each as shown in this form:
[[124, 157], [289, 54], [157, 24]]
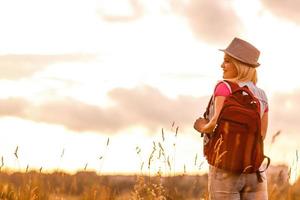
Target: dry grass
[[90, 185]]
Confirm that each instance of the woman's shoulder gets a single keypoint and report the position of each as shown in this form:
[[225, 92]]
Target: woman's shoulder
[[263, 94], [222, 82], [222, 88], [225, 83], [259, 92]]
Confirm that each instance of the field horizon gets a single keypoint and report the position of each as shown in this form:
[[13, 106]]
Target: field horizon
[[89, 185]]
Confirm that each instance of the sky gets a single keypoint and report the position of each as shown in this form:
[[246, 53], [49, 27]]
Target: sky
[[92, 84]]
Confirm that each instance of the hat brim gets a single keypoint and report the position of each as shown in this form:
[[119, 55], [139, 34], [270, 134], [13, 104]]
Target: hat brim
[[239, 59]]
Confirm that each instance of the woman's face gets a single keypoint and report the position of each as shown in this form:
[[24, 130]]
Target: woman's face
[[229, 69]]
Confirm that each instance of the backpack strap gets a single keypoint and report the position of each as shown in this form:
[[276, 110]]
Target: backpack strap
[[233, 86], [258, 175], [236, 88], [206, 113], [230, 85]]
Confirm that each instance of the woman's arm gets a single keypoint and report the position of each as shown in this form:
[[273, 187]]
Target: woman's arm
[[207, 127], [264, 124]]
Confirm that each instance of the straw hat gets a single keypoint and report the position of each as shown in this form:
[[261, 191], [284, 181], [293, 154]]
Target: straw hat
[[243, 51]]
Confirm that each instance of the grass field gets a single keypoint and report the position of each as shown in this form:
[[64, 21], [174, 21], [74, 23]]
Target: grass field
[[88, 185]]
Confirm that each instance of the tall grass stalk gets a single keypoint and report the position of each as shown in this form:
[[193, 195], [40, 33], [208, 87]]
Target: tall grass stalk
[[138, 152], [16, 156], [151, 159], [174, 147], [2, 163], [102, 157], [61, 157]]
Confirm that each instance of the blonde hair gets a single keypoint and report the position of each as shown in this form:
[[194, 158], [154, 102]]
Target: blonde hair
[[245, 71]]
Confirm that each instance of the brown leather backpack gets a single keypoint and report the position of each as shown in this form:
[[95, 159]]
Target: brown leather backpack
[[236, 144]]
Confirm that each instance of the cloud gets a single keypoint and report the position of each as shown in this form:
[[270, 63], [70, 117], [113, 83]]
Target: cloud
[[134, 11], [184, 76], [149, 107], [70, 113], [14, 67], [13, 107], [285, 112], [288, 9], [212, 21], [142, 106]]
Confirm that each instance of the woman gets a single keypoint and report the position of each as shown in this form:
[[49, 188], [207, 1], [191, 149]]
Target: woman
[[239, 66]]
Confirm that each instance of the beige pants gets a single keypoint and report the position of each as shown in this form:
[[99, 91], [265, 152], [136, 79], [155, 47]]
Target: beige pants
[[223, 185]]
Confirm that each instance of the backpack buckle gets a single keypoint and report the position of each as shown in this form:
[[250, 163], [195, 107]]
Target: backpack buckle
[[215, 128]]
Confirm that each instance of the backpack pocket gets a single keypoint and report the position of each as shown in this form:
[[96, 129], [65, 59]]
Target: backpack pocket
[[232, 147]]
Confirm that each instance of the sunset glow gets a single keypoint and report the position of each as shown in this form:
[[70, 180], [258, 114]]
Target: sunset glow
[[75, 73]]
